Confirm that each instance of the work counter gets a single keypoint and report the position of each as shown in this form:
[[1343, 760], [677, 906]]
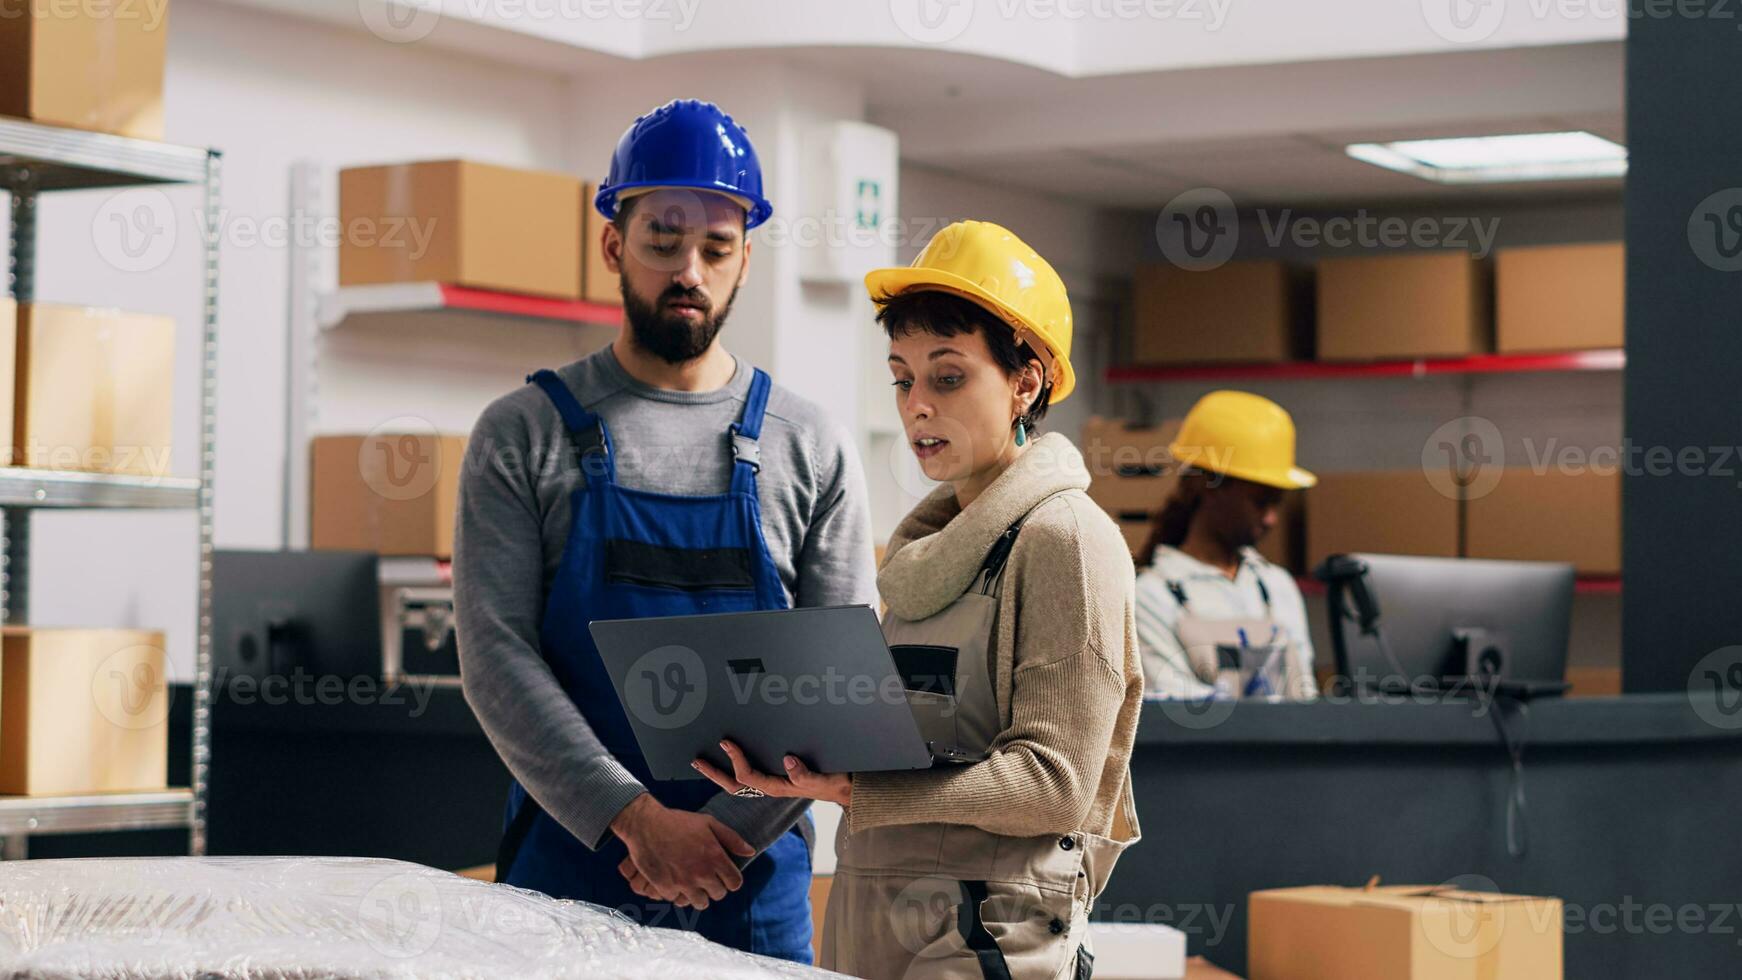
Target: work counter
[[1631, 815]]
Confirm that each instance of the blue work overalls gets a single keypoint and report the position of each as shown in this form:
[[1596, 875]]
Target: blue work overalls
[[634, 553]]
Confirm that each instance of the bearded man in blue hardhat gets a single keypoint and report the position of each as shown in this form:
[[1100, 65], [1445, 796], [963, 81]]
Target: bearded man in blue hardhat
[[660, 476]]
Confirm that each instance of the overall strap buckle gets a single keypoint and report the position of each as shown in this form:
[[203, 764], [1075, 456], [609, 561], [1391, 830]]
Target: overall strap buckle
[[746, 450]]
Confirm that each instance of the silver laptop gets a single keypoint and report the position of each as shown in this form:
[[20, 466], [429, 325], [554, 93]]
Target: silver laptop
[[818, 683]]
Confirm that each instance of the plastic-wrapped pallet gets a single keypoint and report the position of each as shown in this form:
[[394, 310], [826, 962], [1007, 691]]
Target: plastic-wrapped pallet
[[259, 918]]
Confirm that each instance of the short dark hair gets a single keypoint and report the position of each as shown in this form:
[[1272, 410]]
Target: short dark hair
[[944, 314]]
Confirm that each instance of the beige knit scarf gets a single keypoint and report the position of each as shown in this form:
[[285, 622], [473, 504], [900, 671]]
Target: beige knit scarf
[[937, 549]]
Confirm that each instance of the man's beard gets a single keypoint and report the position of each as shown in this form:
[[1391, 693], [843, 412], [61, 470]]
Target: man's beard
[[671, 338]]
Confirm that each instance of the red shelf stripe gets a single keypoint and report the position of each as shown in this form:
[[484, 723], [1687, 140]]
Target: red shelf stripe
[[521, 304], [1591, 360]]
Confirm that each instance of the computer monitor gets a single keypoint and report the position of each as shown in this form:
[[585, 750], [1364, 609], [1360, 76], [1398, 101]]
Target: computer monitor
[[1448, 620], [277, 613]]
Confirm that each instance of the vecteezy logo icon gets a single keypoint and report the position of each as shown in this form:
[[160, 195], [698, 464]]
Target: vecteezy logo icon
[[400, 21], [932, 21], [1715, 688], [135, 230], [401, 916], [923, 917], [1464, 458], [1198, 714], [1458, 923], [666, 687], [1715, 230], [401, 459], [130, 689], [1198, 229], [1464, 21]]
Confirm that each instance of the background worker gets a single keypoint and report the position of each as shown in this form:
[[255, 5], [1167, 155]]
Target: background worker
[[1214, 619], [659, 476]]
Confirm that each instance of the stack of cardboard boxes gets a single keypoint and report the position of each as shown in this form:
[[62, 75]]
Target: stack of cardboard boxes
[[465, 223], [461, 223], [81, 388], [1405, 307], [1391, 307]]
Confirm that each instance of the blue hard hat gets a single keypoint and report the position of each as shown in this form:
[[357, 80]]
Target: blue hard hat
[[687, 143]]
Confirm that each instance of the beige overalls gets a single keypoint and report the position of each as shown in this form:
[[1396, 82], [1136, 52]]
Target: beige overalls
[[945, 900], [1241, 657]]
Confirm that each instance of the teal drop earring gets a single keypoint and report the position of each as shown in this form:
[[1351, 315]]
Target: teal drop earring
[[1021, 431]]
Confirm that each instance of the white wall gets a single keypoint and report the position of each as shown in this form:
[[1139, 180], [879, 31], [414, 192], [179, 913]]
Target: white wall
[[268, 90]]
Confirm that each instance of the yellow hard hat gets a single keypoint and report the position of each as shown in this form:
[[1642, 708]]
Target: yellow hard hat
[[985, 263], [1241, 435]]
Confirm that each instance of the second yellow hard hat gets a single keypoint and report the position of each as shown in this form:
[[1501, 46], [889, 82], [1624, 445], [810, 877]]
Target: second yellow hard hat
[[989, 265], [1241, 435]]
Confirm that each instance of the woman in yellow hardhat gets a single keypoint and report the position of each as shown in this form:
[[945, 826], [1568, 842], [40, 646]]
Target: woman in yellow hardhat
[[1010, 617], [1213, 617]]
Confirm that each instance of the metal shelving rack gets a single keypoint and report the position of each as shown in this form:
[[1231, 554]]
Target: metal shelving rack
[[35, 160]]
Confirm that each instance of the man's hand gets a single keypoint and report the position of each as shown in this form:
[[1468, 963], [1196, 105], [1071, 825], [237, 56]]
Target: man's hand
[[677, 856]]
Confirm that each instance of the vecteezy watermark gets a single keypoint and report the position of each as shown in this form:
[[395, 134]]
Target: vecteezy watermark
[[1195, 919], [402, 458], [150, 13], [1632, 459], [1458, 923], [136, 230], [401, 916], [667, 687], [1464, 21], [1475, 21], [1715, 230], [925, 914], [1364, 230], [859, 229], [406, 21], [1364, 686], [1464, 458], [1715, 688], [942, 21], [1198, 229], [130, 688], [303, 688], [149, 462]]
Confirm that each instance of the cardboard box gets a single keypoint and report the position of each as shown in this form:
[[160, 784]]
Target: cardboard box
[[1433, 304], [82, 711], [1402, 933], [392, 493], [455, 221], [598, 283], [1560, 297], [1387, 512], [1113, 447], [1549, 516], [93, 390], [1248, 312], [88, 66]]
